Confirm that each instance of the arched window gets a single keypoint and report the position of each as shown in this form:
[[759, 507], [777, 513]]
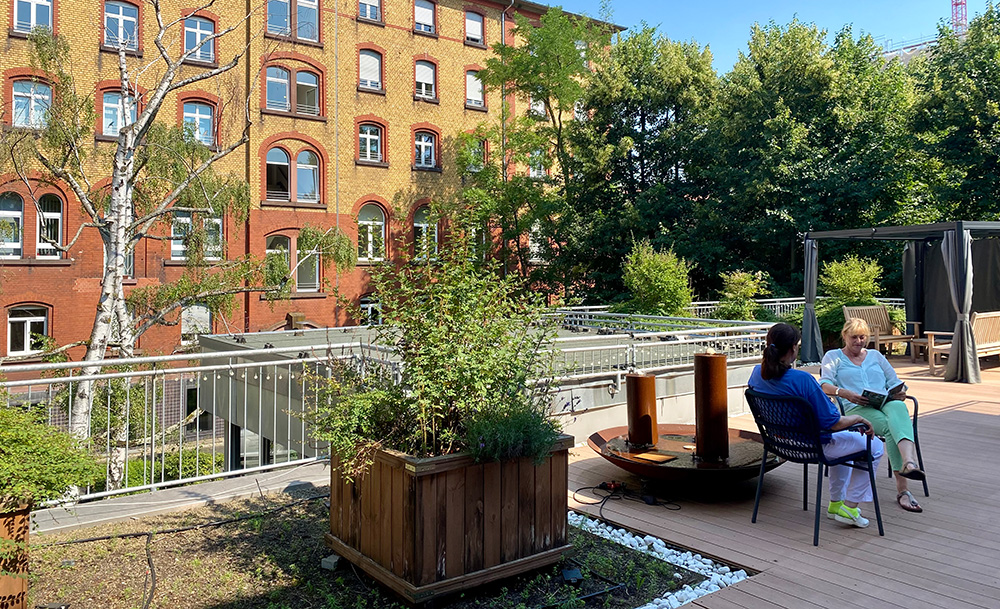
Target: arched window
[[277, 96], [50, 226], [371, 310], [369, 9], [201, 120], [11, 221], [31, 103], [305, 262], [423, 155], [307, 177], [307, 93], [115, 114], [197, 29], [277, 175], [121, 25], [370, 143], [425, 78], [25, 328], [425, 235], [423, 16], [29, 14], [369, 69], [371, 233], [474, 28], [474, 90]]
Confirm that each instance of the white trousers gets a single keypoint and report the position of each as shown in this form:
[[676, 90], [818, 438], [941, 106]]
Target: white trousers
[[847, 483]]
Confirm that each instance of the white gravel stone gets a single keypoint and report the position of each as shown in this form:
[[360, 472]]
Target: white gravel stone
[[717, 576]]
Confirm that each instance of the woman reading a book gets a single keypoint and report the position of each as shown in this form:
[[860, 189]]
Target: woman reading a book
[[776, 376], [865, 384]]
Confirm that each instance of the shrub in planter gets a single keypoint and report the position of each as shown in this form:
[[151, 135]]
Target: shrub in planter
[[739, 288], [420, 445], [38, 463]]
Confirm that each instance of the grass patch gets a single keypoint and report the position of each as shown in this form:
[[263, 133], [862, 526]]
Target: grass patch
[[273, 562]]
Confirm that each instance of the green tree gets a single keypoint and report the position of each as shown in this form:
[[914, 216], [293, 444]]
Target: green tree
[[957, 119], [657, 281], [739, 289]]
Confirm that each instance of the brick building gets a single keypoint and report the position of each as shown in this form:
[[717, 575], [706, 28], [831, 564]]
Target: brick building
[[355, 106]]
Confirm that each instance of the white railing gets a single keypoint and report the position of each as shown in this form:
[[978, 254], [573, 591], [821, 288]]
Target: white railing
[[776, 306]]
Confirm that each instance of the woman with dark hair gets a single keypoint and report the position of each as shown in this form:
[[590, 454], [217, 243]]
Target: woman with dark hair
[[776, 376]]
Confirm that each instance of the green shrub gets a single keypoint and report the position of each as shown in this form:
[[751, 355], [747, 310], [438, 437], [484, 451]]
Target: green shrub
[[658, 281], [168, 466], [739, 288], [851, 280]]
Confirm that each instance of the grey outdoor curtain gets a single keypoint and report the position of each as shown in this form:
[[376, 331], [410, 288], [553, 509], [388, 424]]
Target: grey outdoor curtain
[[812, 340], [956, 248]]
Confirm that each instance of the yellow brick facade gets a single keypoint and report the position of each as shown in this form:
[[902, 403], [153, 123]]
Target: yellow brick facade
[[67, 288]]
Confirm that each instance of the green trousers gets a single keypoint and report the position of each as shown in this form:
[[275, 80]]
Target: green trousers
[[893, 423]]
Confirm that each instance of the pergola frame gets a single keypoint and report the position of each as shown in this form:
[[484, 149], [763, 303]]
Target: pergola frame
[[956, 238]]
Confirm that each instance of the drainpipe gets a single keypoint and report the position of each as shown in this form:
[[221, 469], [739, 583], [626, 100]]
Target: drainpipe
[[503, 119], [247, 155]]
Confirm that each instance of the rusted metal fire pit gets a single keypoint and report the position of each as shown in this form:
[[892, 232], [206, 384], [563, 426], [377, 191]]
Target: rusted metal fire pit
[[706, 454]]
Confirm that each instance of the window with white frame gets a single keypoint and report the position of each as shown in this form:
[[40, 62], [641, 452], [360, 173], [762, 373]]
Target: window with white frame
[[307, 177], [50, 226], [306, 262], [25, 328], [425, 235], [371, 233], [11, 221], [371, 311], [423, 16], [307, 93], [180, 228], [473, 27], [277, 170], [473, 90], [29, 14], [370, 69], [370, 143], [423, 155], [31, 103], [195, 319], [369, 9], [536, 165], [118, 112], [121, 25], [276, 91], [477, 156], [199, 117], [536, 108], [279, 17], [196, 30], [536, 248], [425, 72], [296, 18]]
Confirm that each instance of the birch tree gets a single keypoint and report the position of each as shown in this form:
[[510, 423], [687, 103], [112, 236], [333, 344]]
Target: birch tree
[[157, 171]]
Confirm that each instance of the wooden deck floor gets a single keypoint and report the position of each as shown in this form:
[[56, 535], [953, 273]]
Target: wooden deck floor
[[948, 556]]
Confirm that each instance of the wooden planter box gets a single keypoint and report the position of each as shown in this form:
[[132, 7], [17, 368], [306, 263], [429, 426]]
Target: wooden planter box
[[14, 526], [427, 527]]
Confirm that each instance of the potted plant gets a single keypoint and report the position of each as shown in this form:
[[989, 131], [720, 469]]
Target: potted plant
[[447, 471], [38, 463]]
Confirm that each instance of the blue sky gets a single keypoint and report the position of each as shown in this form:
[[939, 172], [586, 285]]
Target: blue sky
[[724, 25]]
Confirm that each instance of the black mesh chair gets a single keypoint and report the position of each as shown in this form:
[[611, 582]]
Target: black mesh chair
[[790, 429]]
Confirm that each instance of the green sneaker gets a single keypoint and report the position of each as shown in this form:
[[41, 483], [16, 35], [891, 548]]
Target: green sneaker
[[831, 512], [851, 516]]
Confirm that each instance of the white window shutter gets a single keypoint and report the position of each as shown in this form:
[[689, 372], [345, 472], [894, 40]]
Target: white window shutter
[[369, 67], [474, 88], [425, 72], [473, 26], [423, 12]]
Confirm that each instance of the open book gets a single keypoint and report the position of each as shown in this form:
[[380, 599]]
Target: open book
[[876, 399]]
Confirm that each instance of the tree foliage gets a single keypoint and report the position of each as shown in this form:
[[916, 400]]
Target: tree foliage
[[657, 281]]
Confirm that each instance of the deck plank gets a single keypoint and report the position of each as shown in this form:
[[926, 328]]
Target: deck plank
[[944, 557]]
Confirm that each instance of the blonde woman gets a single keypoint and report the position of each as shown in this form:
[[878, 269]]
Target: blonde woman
[[846, 374]]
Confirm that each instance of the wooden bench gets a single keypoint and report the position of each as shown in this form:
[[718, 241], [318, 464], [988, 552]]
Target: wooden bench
[[985, 329], [881, 326]]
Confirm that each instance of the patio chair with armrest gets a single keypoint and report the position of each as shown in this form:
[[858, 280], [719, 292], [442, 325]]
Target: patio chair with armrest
[[790, 429]]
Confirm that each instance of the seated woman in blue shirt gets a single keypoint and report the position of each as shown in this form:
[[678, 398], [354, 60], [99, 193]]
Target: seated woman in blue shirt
[[775, 376], [846, 374]]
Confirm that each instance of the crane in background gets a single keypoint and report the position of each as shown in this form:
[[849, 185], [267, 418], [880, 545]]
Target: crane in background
[[908, 48], [959, 17]]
